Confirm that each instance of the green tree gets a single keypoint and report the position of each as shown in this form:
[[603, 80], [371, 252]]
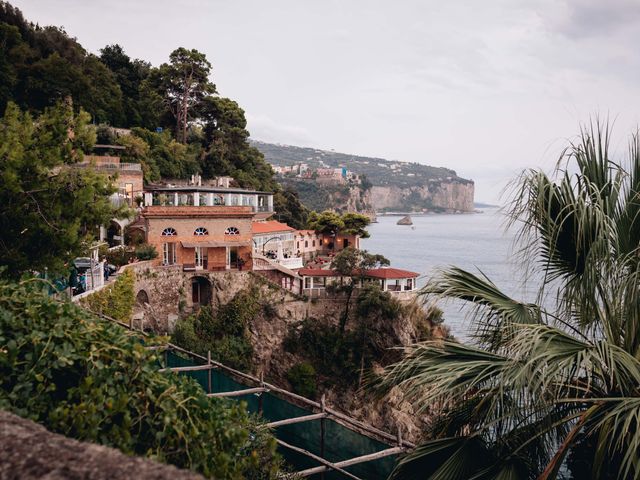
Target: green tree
[[327, 222], [354, 263], [289, 209], [184, 83], [374, 310], [546, 383], [130, 75], [356, 224], [332, 223], [47, 208], [228, 151]]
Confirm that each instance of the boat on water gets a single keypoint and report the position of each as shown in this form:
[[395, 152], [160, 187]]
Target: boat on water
[[406, 220]]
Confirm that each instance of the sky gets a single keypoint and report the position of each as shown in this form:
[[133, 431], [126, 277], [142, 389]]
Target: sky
[[485, 88]]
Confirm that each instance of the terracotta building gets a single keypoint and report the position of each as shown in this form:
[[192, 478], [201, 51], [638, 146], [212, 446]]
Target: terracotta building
[[203, 228]]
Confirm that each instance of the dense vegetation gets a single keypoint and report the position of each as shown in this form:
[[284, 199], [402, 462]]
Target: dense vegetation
[[377, 171], [342, 356], [92, 380], [320, 197], [551, 386], [48, 210], [115, 300], [225, 331], [180, 125]]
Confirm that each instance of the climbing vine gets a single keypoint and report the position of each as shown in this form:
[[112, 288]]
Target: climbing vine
[[115, 300]]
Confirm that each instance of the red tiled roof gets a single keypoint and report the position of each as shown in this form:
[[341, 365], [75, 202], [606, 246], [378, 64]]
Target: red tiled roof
[[385, 273], [270, 227], [389, 272]]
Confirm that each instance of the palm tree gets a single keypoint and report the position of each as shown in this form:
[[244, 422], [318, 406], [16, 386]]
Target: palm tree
[[552, 387]]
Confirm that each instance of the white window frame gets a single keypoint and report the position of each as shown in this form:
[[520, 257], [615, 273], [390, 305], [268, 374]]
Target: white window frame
[[169, 253]]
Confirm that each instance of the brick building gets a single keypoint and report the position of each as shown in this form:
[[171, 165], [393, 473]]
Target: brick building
[[203, 228]]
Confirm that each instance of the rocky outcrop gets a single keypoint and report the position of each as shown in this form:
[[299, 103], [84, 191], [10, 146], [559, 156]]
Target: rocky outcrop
[[164, 295], [29, 451], [454, 195]]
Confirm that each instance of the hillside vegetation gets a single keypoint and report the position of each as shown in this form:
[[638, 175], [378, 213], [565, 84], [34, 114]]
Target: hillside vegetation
[[180, 124], [378, 171]]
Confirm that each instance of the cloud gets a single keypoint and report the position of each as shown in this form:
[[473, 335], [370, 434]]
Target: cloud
[[597, 18], [263, 127]]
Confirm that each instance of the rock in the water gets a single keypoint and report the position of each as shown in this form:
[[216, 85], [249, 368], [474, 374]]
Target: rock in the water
[[405, 221]]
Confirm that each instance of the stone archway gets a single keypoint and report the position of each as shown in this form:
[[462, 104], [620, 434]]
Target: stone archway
[[200, 291], [141, 298]]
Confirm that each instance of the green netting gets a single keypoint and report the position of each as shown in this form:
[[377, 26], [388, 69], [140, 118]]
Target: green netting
[[340, 443]]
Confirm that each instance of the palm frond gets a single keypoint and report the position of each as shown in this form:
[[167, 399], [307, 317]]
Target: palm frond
[[494, 311]]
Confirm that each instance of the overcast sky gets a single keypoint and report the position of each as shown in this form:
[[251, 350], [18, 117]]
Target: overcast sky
[[485, 88]]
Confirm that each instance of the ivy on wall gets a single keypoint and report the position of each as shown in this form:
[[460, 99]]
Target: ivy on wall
[[115, 300]]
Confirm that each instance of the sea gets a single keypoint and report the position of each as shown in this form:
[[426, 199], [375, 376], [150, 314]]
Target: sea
[[477, 242]]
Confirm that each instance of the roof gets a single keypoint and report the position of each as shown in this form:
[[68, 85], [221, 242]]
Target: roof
[[388, 272], [271, 226], [385, 273]]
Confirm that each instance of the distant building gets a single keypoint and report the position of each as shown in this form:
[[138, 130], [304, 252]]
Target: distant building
[[401, 283], [127, 177]]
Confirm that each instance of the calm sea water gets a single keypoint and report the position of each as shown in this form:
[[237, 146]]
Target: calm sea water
[[470, 241]]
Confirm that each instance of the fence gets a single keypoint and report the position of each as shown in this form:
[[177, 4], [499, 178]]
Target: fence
[[317, 441]]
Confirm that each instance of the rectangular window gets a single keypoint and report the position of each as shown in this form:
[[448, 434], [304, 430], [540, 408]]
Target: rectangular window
[[307, 282], [168, 253], [198, 257], [306, 244], [314, 243]]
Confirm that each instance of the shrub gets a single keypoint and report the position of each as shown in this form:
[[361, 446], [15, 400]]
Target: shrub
[[146, 252], [119, 256], [302, 378], [225, 333], [115, 300], [94, 381]]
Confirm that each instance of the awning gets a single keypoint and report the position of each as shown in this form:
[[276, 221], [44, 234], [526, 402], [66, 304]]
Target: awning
[[214, 244]]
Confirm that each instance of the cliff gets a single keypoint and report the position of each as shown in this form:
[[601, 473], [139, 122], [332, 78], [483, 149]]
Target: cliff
[[438, 196], [341, 198], [167, 298], [397, 185]]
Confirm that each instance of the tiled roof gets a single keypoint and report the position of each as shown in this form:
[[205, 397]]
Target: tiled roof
[[270, 227], [389, 272]]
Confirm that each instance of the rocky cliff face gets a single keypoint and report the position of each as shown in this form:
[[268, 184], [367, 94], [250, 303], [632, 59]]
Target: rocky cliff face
[[163, 296], [439, 195]]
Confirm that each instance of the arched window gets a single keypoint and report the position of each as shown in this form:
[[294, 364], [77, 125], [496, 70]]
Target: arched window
[[232, 231], [169, 232], [200, 231]]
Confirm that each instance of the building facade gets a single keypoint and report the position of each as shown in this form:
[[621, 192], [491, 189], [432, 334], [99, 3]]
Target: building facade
[[203, 227]]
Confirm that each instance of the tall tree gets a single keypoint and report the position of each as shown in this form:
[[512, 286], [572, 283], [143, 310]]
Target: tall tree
[[184, 83], [354, 263], [47, 208], [544, 384], [130, 75]]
